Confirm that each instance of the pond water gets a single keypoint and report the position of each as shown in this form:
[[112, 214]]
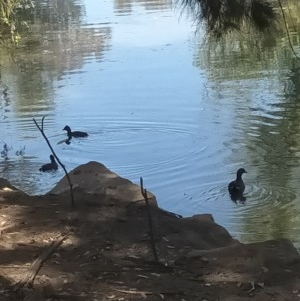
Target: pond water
[[159, 103]]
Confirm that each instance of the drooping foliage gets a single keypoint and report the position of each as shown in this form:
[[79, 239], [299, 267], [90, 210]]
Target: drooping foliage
[[223, 16], [10, 11]]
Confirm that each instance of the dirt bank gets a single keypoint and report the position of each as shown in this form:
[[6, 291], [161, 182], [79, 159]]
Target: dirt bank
[[101, 249]]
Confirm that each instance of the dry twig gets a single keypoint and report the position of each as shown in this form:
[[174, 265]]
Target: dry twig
[[144, 293], [145, 195], [41, 129], [37, 264]]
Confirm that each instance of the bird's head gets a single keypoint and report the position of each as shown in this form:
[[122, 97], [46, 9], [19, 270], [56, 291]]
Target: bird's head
[[67, 128], [241, 171]]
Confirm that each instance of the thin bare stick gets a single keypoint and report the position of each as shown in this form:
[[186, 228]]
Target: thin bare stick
[[134, 292], [41, 129], [43, 122], [145, 195], [38, 262]]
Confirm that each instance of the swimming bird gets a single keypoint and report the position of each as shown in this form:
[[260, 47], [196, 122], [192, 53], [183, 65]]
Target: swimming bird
[[237, 187], [75, 134], [50, 166]]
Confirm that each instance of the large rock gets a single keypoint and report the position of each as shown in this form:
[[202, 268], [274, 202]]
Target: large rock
[[258, 262], [94, 178], [94, 184], [6, 186], [182, 236]]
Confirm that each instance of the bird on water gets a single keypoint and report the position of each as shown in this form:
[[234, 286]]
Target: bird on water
[[236, 188], [50, 166], [75, 134]]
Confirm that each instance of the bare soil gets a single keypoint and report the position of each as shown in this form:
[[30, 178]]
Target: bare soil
[[101, 249]]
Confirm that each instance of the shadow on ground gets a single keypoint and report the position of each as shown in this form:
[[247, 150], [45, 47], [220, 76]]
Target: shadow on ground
[[101, 249]]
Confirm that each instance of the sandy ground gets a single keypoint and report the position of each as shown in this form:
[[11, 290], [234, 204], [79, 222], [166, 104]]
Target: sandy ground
[[101, 249]]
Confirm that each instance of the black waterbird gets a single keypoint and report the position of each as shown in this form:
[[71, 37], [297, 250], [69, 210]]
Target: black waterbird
[[50, 166], [75, 134], [236, 188]]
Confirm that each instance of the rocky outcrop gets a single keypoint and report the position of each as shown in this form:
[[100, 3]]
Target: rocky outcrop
[[93, 178], [108, 247], [179, 240]]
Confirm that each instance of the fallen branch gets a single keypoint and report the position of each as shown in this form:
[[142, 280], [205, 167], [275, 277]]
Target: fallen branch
[[145, 195], [38, 262], [133, 292], [143, 293], [41, 129]]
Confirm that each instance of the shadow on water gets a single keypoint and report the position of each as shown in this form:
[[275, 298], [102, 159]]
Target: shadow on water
[[221, 18]]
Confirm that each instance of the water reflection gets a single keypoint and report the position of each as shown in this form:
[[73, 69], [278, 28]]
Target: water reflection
[[126, 6], [150, 113], [55, 48], [57, 45], [257, 83], [5, 102], [60, 15]]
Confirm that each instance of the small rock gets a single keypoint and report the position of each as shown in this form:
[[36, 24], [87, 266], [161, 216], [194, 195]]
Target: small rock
[[261, 284], [265, 270], [111, 297]]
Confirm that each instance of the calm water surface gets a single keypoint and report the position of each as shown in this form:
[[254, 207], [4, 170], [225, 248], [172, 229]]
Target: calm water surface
[[159, 103]]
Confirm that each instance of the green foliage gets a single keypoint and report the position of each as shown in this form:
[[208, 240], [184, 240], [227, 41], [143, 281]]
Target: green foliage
[[10, 19], [223, 16]]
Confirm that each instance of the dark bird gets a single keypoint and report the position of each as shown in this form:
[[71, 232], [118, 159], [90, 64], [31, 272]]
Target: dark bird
[[75, 134], [50, 166], [236, 188]]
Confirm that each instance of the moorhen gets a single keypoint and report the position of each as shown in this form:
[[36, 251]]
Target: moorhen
[[75, 134], [50, 166], [237, 187]]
